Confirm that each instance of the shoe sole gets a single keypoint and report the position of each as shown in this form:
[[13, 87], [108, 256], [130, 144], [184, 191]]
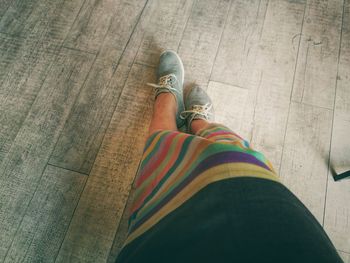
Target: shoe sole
[[181, 64]]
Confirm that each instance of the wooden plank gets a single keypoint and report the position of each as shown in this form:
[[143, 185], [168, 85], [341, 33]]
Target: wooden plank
[[236, 58], [163, 30], [304, 164], [84, 130], [122, 231], [91, 232], [35, 18], [266, 110], [22, 168], [228, 102], [337, 213], [25, 60], [345, 256], [83, 133], [47, 218], [4, 5], [316, 70], [92, 23], [24, 64], [201, 39], [15, 16]]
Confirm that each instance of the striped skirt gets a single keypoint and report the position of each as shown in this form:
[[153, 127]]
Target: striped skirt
[[176, 165], [210, 197]]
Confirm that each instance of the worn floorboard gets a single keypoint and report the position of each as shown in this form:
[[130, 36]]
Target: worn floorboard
[[47, 218], [266, 111], [22, 167], [344, 256], [81, 138], [106, 191], [228, 101], [163, 29], [304, 166], [93, 21], [201, 39], [24, 66], [337, 212], [236, 58], [26, 58], [316, 70], [35, 18]]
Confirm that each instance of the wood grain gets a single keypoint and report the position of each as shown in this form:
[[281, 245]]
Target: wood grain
[[236, 58], [270, 86], [304, 164], [47, 218], [4, 5], [40, 19], [81, 138], [228, 102], [24, 66], [316, 70], [22, 167], [337, 213], [91, 232], [122, 231], [93, 21], [201, 39], [345, 256], [26, 59], [163, 30]]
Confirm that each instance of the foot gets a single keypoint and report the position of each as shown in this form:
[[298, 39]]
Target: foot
[[170, 76], [198, 106]]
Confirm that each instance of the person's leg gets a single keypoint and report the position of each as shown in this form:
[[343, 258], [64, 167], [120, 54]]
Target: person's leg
[[198, 125], [164, 113]]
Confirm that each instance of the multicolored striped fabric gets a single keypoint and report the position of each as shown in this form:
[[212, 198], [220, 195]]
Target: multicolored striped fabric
[[176, 165]]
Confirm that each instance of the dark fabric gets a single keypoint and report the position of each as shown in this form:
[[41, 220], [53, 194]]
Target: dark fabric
[[235, 220]]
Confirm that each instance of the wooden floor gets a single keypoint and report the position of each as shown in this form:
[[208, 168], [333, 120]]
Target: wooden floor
[[74, 108]]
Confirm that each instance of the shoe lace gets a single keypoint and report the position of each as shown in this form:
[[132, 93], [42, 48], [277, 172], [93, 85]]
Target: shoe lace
[[165, 82], [202, 110]]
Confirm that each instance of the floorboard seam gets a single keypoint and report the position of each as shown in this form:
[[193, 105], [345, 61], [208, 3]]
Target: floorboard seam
[[83, 188], [80, 50], [49, 69], [126, 45], [228, 84], [183, 31], [291, 91], [220, 39], [70, 221], [25, 212], [332, 125], [64, 168]]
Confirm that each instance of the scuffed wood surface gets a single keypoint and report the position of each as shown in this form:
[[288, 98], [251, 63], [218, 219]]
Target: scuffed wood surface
[[91, 232], [239, 47], [201, 39], [228, 102], [163, 28], [48, 215], [337, 212], [271, 80], [23, 166], [81, 138], [316, 70], [304, 166]]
